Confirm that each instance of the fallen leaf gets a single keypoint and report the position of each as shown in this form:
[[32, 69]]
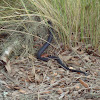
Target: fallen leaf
[[83, 83], [22, 91], [46, 92], [30, 78], [8, 67], [16, 87], [96, 88]]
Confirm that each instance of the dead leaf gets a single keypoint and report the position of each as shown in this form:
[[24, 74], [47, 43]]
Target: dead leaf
[[46, 92], [16, 87], [13, 87], [83, 83], [8, 67], [22, 91], [30, 78], [96, 88]]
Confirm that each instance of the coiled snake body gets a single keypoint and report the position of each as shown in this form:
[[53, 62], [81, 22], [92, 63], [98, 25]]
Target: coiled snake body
[[45, 46]]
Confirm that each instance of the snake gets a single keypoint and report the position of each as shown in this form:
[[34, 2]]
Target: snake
[[46, 59]]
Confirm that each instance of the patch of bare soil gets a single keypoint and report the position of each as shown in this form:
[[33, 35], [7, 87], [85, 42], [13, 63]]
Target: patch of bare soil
[[32, 79]]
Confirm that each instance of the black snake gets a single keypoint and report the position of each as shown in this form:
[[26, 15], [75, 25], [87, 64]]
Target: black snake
[[45, 46]]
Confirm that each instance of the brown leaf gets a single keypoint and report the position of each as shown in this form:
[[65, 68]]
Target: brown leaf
[[83, 83], [46, 92], [16, 87], [96, 88], [8, 67], [22, 91], [30, 78], [13, 87]]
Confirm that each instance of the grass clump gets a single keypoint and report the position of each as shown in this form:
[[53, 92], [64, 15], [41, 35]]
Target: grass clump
[[82, 18], [79, 17]]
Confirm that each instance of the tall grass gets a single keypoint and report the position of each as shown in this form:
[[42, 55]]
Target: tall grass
[[80, 17]]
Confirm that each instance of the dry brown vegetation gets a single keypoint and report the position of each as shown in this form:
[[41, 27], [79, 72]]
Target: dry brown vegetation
[[31, 79]]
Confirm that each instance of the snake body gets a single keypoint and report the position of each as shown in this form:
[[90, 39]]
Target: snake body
[[45, 46]]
